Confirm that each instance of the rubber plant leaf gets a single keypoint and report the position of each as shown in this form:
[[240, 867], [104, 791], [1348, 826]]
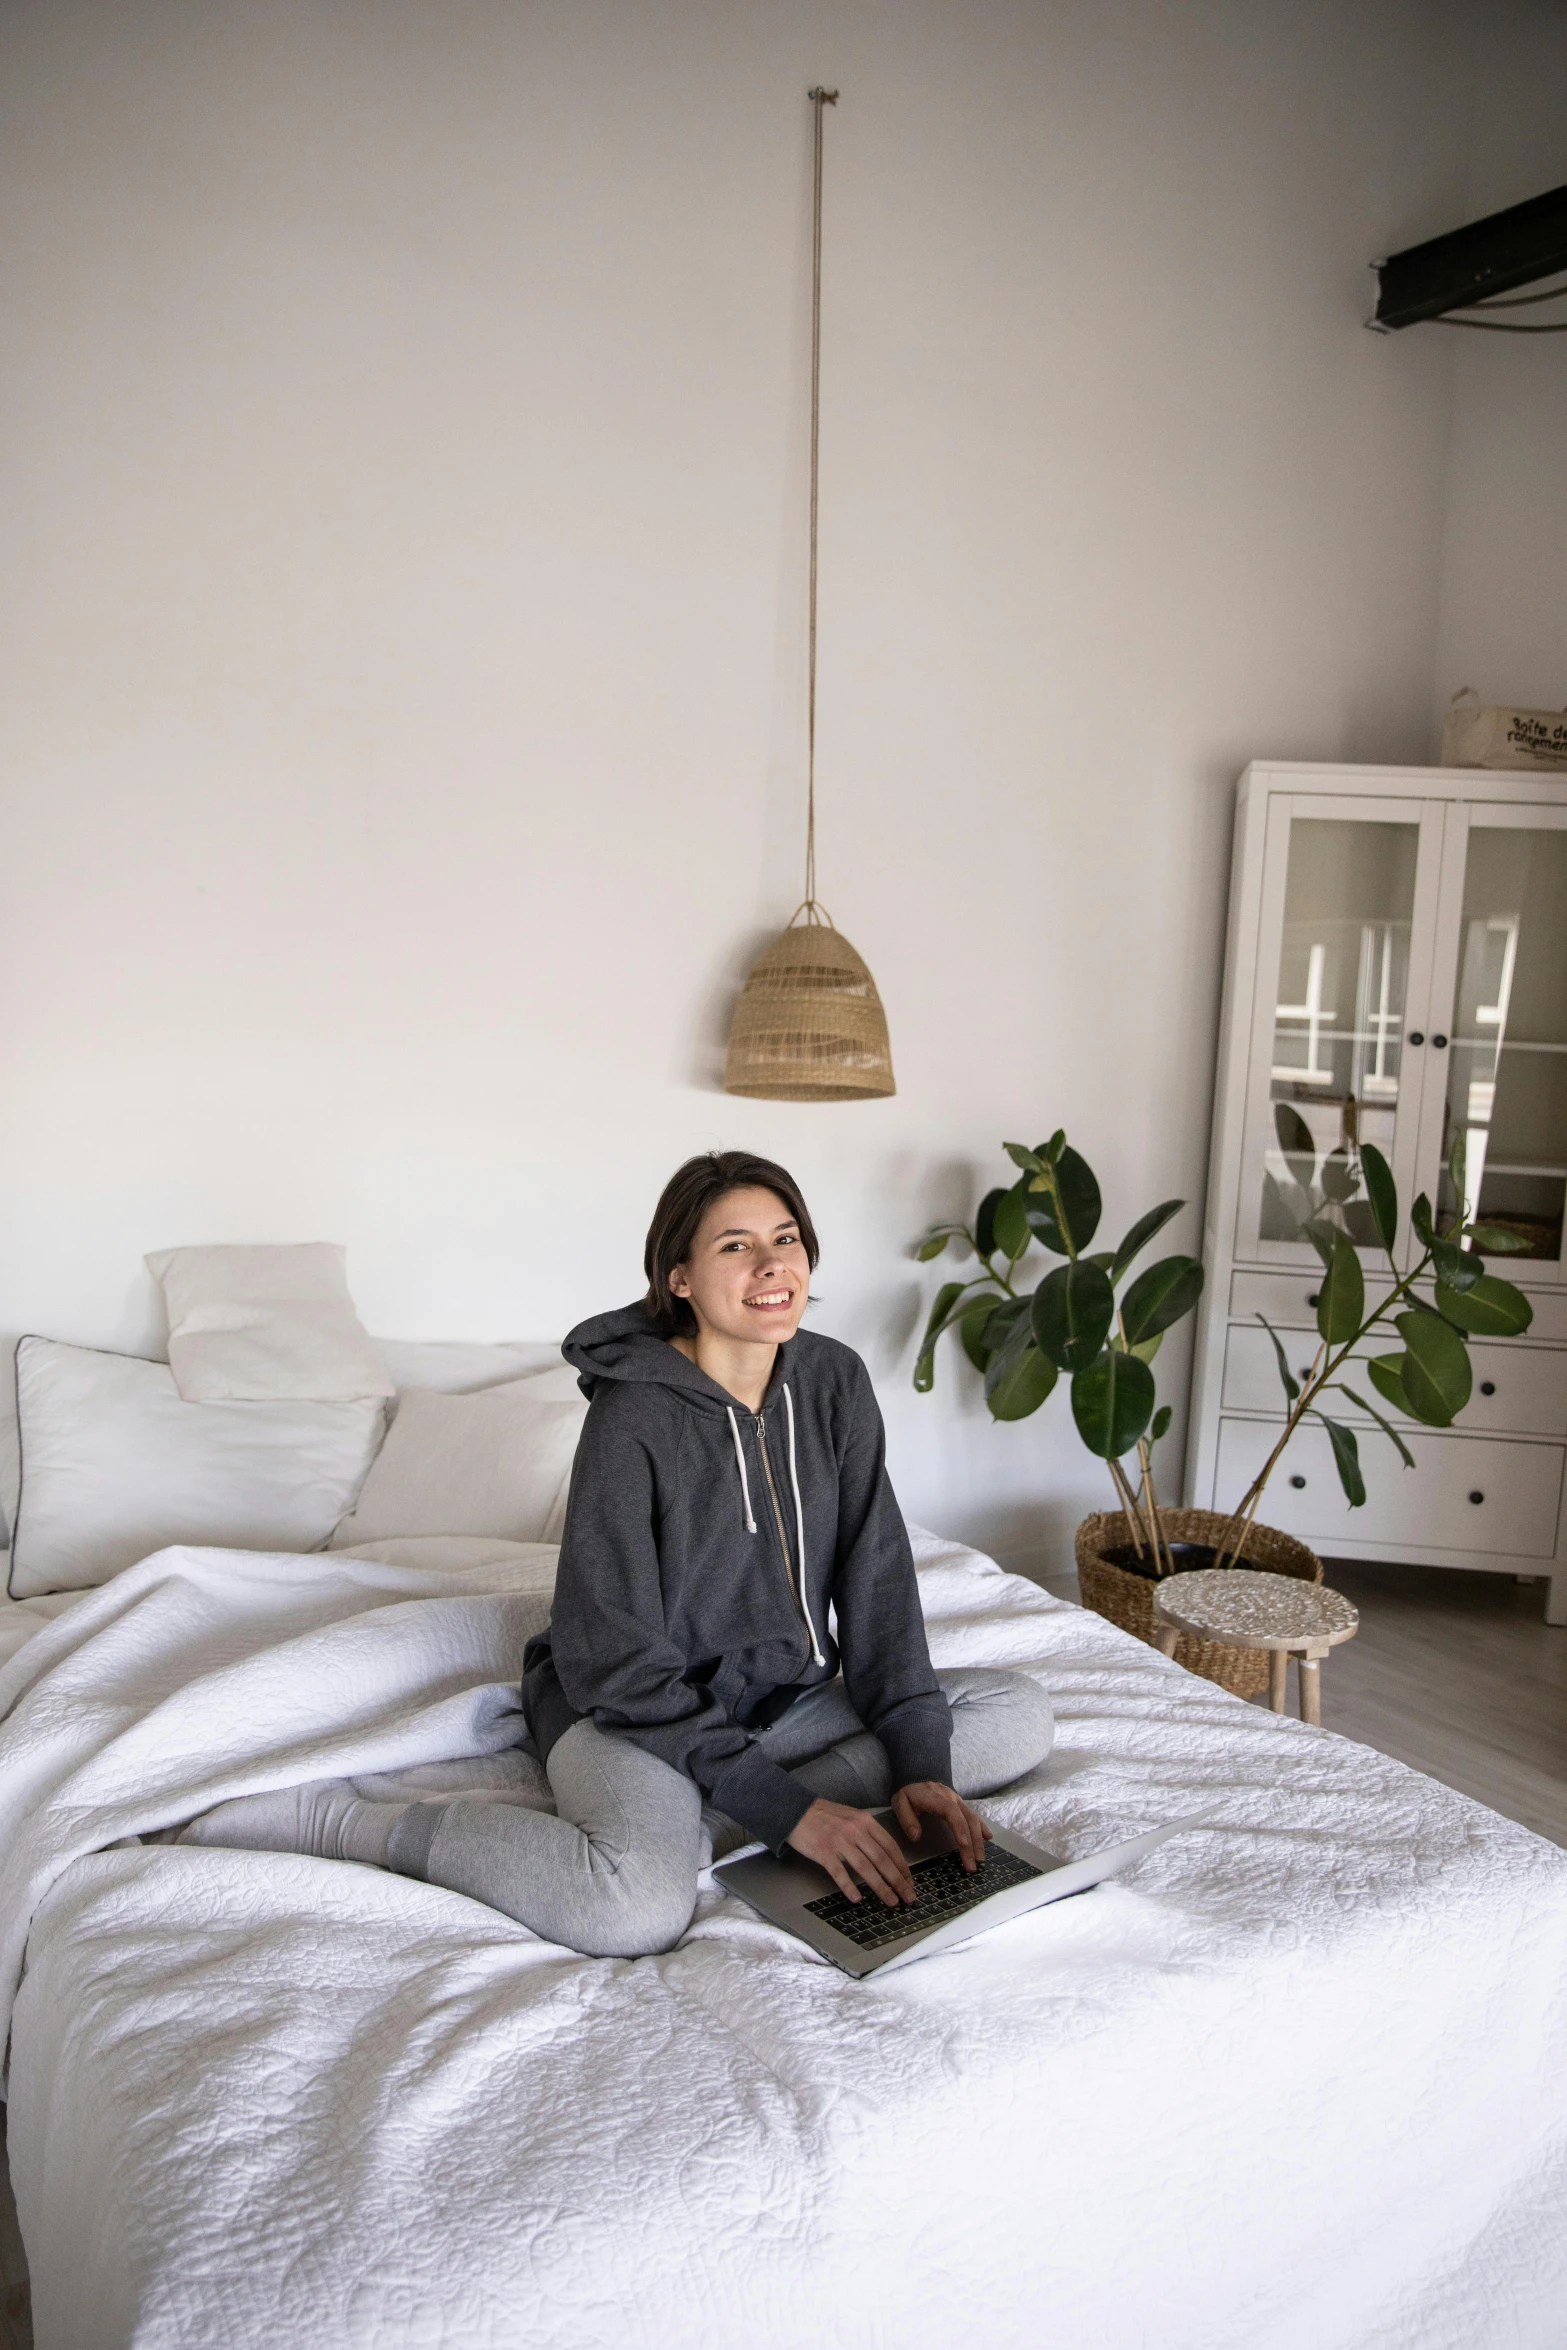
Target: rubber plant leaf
[[935, 1246], [1141, 1234], [1073, 1309], [1021, 1156], [1018, 1377], [985, 1221], [1160, 1424], [974, 1326], [1291, 1383], [1341, 1301], [1490, 1309], [1112, 1403], [1437, 1376], [1080, 1200], [1160, 1297], [1012, 1223], [1499, 1240], [1386, 1373], [1381, 1193], [925, 1366], [1346, 1459], [1386, 1426]]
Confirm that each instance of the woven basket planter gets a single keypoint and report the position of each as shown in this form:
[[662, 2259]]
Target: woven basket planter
[[1127, 1599]]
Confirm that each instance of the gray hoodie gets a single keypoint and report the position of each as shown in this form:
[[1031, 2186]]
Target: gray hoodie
[[717, 1562]]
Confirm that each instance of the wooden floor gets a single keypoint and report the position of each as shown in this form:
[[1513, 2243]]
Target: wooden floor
[[1458, 1674]]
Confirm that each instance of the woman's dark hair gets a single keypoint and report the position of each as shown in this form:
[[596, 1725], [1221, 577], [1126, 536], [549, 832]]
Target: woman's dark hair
[[685, 1200]]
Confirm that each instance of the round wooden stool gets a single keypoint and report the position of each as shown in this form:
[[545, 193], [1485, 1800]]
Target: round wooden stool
[[1242, 1609]]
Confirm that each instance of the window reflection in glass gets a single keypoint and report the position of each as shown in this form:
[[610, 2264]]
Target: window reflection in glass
[[1338, 1021], [1506, 1127]]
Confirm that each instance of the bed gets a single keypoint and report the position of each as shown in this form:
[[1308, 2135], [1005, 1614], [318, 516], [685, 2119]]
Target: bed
[[1300, 2079]]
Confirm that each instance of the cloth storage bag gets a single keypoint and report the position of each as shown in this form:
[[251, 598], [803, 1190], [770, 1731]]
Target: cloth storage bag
[[1473, 736]]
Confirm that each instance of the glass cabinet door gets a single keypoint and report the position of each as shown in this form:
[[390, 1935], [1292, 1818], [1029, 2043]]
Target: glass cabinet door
[[1503, 1136], [1349, 905]]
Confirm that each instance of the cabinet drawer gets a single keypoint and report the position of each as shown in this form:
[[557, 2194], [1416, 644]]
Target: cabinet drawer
[[1283, 1298], [1427, 1508], [1529, 1382]]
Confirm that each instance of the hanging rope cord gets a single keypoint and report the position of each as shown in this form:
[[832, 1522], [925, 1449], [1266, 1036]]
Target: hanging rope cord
[[1498, 326], [819, 98]]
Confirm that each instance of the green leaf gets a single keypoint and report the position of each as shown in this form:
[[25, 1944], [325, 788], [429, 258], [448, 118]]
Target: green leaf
[[1012, 1223], [1291, 1383], [1052, 1149], [1160, 1425], [1387, 1377], [1490, 1309], [1021, 1156], [1321, 1237], [1338, 1178], [1381, 1193], [934, 1247], [1386, 1426], [1146, 1348], [1437, 1376], [1104, 1258], [1346, 1459], [1112, 1403], [1079, 1193], [972, 1323], [1018, 1377], [1499, 1241], [1455, 1268], [925, 1367], [1141, 1234], [1072, 1312], [1160, 1297], [1420, 1218], [985, 1222], [1341, 1302]]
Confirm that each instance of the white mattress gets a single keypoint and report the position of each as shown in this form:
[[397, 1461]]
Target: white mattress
[[1298, 2081]]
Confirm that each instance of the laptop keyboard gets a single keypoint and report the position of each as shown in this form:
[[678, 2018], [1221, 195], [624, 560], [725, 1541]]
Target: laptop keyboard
[[943, 1889]]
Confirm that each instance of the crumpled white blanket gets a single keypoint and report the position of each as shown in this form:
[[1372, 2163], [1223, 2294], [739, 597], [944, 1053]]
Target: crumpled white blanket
[[1301, 2079]]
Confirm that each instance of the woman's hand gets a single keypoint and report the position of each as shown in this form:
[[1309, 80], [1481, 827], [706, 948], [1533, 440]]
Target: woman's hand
[[969, 1831], [839, 1838]]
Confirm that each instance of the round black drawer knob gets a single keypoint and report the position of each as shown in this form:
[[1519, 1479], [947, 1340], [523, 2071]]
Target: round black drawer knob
[[1313, 1297], [1488, 1387], [1297, 1482], [1417, 1036], [1440, 1043], [1477, 1497]]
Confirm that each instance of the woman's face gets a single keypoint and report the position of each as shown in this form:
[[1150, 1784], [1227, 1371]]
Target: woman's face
[[746, 1276]]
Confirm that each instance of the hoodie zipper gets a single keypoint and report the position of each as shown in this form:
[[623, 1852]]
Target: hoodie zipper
[[778, 1520]]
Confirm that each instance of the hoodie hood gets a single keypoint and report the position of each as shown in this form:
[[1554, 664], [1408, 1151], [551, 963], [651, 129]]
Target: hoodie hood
[[625, 1346]]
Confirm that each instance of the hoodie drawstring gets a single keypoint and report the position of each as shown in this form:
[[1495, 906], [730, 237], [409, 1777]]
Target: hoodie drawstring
[[799, 1532], [745, 1483]]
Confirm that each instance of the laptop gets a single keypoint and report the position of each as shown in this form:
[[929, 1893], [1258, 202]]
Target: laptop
[[952, 1903]]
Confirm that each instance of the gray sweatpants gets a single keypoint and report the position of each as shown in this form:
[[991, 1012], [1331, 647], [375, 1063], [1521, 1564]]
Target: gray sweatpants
[[612, 1870]]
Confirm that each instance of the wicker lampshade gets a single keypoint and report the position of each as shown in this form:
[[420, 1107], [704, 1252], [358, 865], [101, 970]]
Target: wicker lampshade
[[809, 1026]]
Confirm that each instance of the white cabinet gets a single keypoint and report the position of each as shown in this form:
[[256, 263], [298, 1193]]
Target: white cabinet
[[1396, 973]]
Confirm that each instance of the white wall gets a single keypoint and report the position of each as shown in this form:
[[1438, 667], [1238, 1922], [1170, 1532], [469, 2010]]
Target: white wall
[[400, 721], [1504, 574]]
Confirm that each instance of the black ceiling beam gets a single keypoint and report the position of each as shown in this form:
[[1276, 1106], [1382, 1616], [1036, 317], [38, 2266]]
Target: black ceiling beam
[[1490, 256]]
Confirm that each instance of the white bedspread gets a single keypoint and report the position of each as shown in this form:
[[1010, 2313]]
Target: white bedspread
[[1300, 2080]]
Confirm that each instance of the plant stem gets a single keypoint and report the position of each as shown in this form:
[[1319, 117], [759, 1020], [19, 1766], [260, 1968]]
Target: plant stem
[[1324, 1366], [1164, 1558], [1130, 1509]]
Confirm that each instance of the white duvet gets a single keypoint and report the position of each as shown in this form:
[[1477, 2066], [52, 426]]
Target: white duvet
[[1300, 2080]]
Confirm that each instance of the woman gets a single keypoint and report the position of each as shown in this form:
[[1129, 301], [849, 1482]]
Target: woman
[[735, 1621]]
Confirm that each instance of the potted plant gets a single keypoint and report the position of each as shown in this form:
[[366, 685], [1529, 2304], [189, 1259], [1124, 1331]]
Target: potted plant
[[1081, 1320]]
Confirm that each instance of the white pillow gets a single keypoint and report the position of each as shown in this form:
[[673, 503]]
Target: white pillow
[[115, 1464], [497, 1462], [253, 1325], [458, 1365]]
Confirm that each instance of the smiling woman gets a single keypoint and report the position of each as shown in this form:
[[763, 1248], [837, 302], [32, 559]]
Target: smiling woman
[[735, 1646]]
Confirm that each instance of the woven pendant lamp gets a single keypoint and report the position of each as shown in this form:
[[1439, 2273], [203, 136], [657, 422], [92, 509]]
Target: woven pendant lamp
[[809, 1025]]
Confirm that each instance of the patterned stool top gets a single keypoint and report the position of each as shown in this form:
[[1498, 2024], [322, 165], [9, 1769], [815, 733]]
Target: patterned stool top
[[1265, 1611]]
